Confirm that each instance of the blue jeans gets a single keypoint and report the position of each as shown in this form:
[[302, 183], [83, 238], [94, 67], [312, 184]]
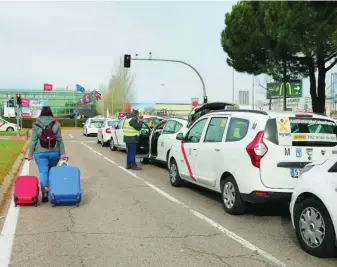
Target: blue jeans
[[45, 161], [131, 150]]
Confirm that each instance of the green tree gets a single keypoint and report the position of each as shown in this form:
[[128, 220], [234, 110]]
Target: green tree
[[118, 92], [283, 39]]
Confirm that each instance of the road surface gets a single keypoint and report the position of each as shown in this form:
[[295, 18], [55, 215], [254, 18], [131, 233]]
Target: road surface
[[130, 218]]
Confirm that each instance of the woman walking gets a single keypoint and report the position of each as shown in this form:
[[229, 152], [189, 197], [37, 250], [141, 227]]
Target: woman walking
[[46, 146]]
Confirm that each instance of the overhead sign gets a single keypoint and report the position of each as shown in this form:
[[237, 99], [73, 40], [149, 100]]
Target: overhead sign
[[292, 89]]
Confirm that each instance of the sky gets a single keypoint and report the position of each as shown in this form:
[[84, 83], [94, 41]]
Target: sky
[[64, 43]]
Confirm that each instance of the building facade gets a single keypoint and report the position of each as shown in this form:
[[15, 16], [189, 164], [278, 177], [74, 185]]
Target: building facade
[[62, 102]]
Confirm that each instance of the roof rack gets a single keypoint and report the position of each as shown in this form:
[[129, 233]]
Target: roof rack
[[240, 110]]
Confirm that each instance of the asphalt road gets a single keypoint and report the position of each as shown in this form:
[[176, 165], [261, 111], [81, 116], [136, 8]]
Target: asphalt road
[[138, 219]]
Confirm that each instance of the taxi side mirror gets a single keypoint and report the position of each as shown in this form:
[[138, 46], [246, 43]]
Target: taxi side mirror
[[180, 136]]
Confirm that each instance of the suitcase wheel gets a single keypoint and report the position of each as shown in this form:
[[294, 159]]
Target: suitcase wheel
[[35, 204], [77, 204]]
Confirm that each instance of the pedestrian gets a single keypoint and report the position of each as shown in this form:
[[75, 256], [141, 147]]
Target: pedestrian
[[131, 131], [46, 146]]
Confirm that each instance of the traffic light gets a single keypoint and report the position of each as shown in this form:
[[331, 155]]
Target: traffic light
[[18, 100], [205, 99], [127, 61]]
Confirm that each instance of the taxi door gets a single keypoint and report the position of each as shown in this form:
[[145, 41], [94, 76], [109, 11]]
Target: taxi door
[[190, 150], [2, 125], [165, 139], [118, 134], [210, 159]]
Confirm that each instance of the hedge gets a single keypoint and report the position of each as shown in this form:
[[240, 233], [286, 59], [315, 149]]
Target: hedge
[[27, 123]]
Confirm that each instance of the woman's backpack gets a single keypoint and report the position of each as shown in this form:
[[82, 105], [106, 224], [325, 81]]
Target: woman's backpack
[[48, 137]]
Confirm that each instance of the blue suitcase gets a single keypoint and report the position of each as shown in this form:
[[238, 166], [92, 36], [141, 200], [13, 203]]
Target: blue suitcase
[[65, 185]]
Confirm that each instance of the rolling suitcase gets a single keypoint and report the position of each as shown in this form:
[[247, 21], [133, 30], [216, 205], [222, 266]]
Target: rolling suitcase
[[26, 190], [65, 185]]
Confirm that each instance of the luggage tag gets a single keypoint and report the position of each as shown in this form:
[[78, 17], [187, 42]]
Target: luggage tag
[[63, 162]]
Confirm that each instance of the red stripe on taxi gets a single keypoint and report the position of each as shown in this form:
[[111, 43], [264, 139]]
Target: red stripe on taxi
[[116, 136], [187, 162]]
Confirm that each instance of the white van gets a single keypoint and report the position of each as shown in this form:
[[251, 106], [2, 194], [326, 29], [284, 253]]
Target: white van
[[250, 156]]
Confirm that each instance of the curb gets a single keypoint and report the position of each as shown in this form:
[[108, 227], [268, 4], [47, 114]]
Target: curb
[[8, 180]]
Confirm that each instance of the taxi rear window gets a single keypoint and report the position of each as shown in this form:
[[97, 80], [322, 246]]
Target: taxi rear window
[[302, 131]]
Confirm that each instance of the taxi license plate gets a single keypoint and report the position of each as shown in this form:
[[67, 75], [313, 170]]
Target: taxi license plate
[[295, 173]]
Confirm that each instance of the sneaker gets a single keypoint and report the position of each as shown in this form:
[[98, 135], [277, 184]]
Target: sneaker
[[44, 195], [128, 167], [136, 168]]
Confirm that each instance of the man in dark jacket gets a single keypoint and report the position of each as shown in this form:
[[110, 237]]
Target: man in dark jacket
[[131, 131]]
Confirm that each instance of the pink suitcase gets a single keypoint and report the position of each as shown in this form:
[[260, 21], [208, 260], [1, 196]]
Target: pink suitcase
[[26, 190]]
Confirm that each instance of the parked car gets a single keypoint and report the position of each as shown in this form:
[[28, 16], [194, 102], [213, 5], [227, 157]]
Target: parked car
[[117, 142], [7, 126], [313, 207], [250, 156], [104, 133], [152, 121], [162, 137], [92, 125]]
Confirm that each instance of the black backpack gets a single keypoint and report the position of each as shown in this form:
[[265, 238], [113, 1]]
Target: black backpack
[[48, 137]]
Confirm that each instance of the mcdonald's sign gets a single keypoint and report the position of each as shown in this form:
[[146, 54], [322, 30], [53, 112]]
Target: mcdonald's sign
[[288, 85], [292, 88]]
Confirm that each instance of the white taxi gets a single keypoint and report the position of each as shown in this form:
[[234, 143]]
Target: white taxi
[[92, 125], [250, 156], [7, 126], [117, 138], [104, 133], [162, 137], [313, 208]]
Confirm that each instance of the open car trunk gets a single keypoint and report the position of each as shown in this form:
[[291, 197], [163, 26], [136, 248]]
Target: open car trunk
[[203, 109]]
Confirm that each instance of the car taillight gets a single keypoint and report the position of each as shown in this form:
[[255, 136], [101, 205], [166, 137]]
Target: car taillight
[[108, 130], [257, 149]]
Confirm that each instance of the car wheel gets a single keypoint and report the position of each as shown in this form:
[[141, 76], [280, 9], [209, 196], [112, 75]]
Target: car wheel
[[231, 197], [314, 228], [175, 179], [10, 129], [144, 160], [112, 145]]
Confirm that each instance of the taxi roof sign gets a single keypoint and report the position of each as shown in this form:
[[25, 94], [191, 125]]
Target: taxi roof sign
[[232, 107]]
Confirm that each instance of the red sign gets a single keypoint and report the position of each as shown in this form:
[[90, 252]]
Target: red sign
[[25, 115], [25, 102], [47, 87]]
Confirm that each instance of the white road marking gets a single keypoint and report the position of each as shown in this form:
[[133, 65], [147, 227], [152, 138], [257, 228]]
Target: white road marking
[[9, 228], [71, 136], [245, 243], [73, 141]]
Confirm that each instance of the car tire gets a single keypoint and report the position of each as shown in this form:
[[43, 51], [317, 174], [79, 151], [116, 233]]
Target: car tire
[[145, 160], [326, 248], [174, 175], [231, 197], [10, 129], [112, 145]]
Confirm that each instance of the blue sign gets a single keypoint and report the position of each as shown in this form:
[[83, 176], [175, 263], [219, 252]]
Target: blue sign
[[75, 111], [299, 152]]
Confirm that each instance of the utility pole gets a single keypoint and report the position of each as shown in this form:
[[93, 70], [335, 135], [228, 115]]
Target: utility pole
[[284, 85], [253, 94], [233, 90]]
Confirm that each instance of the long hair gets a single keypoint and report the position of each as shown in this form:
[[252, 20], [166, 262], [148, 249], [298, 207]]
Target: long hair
[[46, 111]]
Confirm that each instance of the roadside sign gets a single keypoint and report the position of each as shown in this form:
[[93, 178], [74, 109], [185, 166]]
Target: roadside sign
[[293, 89], [75, 111]]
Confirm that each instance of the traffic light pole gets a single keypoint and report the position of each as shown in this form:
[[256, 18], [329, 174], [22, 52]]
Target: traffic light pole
[[181, 62], [17, 120]]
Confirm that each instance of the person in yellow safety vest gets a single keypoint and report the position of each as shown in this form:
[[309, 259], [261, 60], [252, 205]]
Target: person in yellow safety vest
[[131, 130]]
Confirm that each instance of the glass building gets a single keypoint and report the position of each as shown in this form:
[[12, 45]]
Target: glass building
[[63, 102]]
